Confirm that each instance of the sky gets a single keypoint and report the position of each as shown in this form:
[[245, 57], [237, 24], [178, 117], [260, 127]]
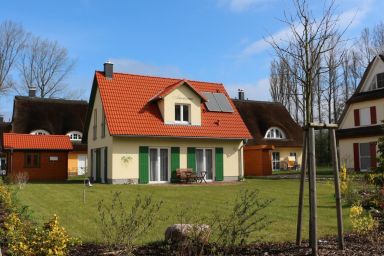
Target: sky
[[207, 40]]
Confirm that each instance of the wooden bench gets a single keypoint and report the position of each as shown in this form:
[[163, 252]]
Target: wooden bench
[[186, 175]]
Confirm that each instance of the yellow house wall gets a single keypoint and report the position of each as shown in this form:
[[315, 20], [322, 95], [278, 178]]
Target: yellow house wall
[[129, 147], [181, 95], [349, 120], [100, 142], [346, 149]]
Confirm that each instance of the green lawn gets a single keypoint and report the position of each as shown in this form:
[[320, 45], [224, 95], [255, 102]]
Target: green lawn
[[66, 200]]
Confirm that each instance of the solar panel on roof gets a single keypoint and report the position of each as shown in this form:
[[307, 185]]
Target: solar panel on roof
[[211, 104], [223, 102]]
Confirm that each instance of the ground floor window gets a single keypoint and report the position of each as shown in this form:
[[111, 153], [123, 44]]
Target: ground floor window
[[204, 162], [275, 161], [159, 164], [32, 160], [365, 156]]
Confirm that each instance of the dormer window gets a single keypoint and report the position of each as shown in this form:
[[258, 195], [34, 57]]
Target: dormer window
[[75, 136], [380, 80], [182, 113], [39, 132], [274, 133]]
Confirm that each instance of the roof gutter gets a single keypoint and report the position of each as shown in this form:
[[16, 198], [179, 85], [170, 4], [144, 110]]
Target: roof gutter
[[176, 137]]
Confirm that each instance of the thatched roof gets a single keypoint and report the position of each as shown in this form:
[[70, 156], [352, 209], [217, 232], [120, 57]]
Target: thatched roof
[[57, 116], [259, 116]]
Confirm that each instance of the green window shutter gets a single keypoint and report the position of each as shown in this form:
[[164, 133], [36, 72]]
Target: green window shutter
[[219, 164], [175, 162], [191, 159], [143, 165]]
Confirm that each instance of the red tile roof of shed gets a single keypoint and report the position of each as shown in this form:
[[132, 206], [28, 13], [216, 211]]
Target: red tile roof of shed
[[129, 111], [40, 142]]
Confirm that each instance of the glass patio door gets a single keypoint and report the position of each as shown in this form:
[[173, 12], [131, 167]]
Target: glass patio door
[[158, 164], [204, 162]]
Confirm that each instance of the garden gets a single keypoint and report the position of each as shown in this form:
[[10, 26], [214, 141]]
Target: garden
[[252, 217]]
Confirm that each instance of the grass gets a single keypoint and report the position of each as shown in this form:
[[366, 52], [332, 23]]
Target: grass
[[80, 219]]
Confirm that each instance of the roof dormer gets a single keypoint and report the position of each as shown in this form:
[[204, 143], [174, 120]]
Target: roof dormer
[[180, 104]]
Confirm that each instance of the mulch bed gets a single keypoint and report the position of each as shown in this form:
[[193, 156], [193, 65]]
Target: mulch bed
[[355, 245]]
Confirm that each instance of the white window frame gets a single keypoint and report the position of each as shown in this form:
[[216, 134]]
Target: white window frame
[[204, 162], [158, 164], [182, 119], [271, 134], [72, 135], [365, 116], [275, 161], [39, 132]]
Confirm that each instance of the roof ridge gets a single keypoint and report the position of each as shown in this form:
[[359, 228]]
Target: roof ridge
[[162, 77], [37, 135], [259, 101], [21, 97]]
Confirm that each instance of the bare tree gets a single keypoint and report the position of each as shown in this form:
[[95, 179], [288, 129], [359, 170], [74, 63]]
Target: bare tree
[[310, 39], [12, 41], [45, 65]]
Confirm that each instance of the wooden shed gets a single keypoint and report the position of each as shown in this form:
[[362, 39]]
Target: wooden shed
[[41, 157]]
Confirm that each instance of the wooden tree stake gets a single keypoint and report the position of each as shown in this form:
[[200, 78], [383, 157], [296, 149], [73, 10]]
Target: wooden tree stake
[[301, 193], [337, 190], [312, 190]]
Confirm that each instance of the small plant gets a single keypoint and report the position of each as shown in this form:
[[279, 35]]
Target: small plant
[[122, 226], [362, 223], [20, 179], [244, 219]]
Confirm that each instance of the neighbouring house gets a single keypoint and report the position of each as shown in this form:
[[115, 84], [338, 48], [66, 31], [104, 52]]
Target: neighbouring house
[[42, 157], [4, 128], [43, 116], [360, 124], [277, 139], [141, 129]]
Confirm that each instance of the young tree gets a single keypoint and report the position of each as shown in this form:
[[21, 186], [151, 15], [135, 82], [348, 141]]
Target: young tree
[[45, 65], [12, 42], [310, 39]]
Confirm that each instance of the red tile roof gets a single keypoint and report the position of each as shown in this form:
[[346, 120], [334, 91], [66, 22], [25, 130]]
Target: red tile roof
[[41, 142], [128, 109]]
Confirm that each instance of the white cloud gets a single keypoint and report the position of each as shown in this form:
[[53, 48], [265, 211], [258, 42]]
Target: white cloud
[[138, 67], [253, 91], [242, 5], [262, 44], [351, 18]]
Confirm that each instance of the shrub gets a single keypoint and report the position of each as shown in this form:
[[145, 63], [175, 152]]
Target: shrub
[[24, 238], [5, 198], [122, 226], [362, 223], [16, 235], [244, 219]]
